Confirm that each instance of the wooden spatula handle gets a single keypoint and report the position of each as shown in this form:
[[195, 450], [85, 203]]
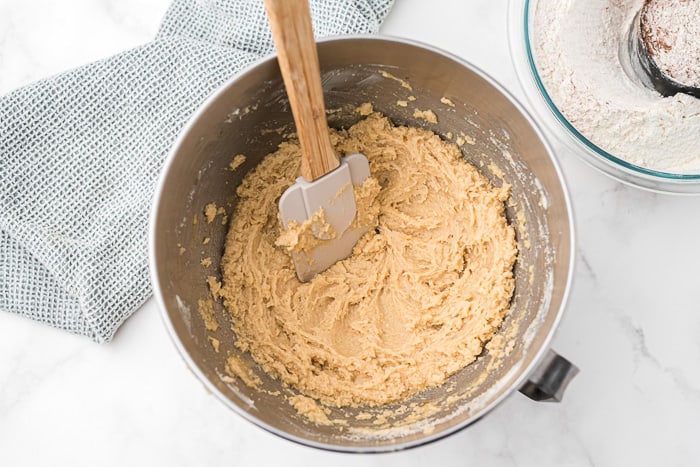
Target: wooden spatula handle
[[290, 21]]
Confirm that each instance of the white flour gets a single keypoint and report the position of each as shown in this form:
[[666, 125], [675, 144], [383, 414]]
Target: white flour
[[577, 49], [673, 31]]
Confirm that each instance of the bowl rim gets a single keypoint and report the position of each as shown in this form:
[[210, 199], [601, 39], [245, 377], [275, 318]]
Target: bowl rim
[[588, 144], [524, 372]]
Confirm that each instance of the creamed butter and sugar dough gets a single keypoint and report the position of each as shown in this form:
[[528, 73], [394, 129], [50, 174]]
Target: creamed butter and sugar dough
[[421, 294]]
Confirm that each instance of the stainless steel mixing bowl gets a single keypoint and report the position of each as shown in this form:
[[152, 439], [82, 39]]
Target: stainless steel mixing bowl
[[245, 115]]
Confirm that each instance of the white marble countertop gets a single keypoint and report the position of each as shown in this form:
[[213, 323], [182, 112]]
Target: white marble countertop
[[632, 323]]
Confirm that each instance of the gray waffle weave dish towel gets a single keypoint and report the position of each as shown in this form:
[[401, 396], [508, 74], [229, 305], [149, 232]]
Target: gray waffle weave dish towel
[[80, 153]]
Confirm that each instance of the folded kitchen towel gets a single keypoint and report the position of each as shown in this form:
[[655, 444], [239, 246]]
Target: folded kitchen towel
[[80, 153]]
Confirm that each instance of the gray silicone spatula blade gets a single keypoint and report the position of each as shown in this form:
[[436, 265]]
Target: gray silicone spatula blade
[[326, 182]]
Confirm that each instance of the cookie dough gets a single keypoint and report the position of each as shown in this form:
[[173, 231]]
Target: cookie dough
[[238, 160], [421, 294]]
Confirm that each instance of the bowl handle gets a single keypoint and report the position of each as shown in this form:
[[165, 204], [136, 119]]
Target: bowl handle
[[549, 380]]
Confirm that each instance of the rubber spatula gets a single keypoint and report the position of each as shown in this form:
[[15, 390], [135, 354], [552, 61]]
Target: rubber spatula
[[326, 183]]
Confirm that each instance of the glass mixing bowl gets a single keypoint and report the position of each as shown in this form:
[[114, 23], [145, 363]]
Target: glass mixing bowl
[[520, 24]]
